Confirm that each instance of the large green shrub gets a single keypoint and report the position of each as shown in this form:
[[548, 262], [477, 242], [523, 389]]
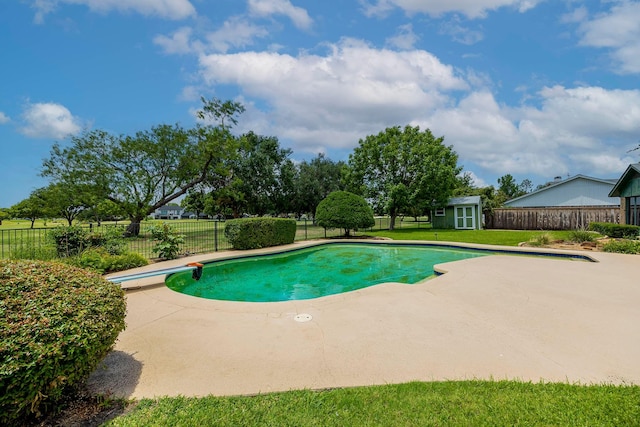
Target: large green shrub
[[345, 210], [69, 241], [255, 233], [101, 261], [622, 246], [168, 242], [111, 239], [617, 231], [56, 323]]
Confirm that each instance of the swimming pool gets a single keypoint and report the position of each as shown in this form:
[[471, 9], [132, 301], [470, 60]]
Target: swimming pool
[[316, 271]]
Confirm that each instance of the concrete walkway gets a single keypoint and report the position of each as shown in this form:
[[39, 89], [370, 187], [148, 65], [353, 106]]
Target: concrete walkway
[[500, 317]]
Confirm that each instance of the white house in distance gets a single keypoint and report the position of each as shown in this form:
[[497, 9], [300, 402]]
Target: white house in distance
[[578, 190], [168, 212]]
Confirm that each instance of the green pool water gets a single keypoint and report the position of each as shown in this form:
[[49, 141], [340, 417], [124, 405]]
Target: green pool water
[[315, 272]]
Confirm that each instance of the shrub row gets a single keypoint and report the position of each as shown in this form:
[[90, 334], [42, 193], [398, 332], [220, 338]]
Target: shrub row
[[71, 241], [616, 231], [56, 323], [622, 246], [255, 233], [101, 261]]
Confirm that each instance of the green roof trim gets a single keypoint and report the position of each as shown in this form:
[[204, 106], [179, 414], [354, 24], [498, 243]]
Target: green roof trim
[[633, 171]]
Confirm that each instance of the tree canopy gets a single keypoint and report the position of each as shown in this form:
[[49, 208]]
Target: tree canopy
[[401, 169], [142, 172], [31, 208], [316, 180], [342, 209]]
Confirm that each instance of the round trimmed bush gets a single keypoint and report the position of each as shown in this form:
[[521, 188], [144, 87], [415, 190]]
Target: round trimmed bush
[[342, 209], [57, 322]]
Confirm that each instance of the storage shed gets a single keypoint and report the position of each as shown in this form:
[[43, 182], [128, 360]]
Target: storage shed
[[462, 213]]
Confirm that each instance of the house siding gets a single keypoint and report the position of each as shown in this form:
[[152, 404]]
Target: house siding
[[574, 192], [631, 189]]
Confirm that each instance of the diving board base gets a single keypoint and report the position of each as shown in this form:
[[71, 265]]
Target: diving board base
[[195, 267]]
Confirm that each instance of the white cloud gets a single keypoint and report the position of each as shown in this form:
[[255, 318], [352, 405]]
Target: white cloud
[[336, 99], [405, 39], [580, 14], [320, 103], [4, 118], [49, 120], [476, 181], [577, 130], [179, 42], [460, 33], [169, 9], [619, 31], [235, 32], [267, 8], [469, 8]]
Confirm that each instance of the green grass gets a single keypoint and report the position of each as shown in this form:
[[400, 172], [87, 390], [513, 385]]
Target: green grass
[[488, 237], [464, 403]]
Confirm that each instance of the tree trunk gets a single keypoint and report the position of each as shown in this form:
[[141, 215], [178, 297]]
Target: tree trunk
[[392, 220], [133, 229]]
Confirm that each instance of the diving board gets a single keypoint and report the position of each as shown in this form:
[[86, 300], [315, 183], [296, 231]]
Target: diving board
[[196, 267]]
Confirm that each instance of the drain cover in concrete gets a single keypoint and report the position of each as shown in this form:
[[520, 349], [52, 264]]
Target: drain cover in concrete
[[302, 317]]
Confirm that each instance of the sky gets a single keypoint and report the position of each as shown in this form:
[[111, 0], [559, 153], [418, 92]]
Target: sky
[[532, 88]]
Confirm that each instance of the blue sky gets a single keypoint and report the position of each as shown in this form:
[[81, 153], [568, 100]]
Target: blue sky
[[533, 88]]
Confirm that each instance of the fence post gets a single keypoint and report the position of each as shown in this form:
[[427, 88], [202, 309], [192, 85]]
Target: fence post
[[215, 236], [305, 229]]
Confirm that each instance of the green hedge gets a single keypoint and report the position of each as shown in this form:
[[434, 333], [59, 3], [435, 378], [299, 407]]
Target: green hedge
[[255, 233], [101, 261], [622, 246], [617, 231], [57, 322]]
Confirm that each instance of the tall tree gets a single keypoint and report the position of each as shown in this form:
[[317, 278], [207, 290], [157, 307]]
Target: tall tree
[[4, 214], [259, 168], [142, 172], [510, 189], [100, 210], [31, 208], [403, 168], [64, 200], [194, 202], [316, 180], [508, 186]]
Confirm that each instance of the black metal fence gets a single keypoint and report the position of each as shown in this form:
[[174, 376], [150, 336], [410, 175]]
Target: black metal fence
[[199, 237]]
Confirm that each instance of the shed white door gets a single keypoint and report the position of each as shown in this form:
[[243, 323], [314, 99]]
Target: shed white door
[[465, 217]]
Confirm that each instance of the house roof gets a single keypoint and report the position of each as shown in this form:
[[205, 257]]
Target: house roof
[[562, 182], [632, 170], [468, 200], [170, 208]]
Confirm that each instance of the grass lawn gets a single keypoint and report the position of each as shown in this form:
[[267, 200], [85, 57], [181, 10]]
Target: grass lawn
[[488, 237], [464, 403]]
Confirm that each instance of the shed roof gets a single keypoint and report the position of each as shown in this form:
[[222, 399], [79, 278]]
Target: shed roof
[[632, 170], [468, 200]]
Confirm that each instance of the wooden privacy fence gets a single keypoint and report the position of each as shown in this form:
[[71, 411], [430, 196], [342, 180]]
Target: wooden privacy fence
[[552, 218]]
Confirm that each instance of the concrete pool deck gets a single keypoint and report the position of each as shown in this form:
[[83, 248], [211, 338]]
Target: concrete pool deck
[[499, 316]]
